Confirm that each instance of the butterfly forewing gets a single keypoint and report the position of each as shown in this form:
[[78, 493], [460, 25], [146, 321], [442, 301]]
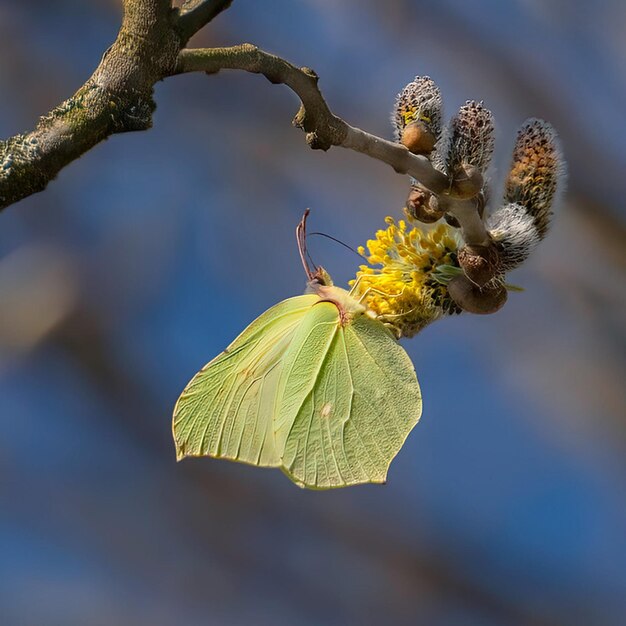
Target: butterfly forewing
[[227, 409], [348, 398]]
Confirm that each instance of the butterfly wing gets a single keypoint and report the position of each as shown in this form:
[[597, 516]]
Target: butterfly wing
[[348, 398], [226, 410]]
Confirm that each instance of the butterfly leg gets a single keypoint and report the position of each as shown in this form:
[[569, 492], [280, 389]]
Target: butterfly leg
[[379, 292]]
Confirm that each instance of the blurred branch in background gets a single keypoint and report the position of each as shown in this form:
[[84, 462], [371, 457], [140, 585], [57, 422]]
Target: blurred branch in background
[[39, 290]]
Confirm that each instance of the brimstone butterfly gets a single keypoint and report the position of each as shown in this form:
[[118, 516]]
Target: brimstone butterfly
[[316, 386]]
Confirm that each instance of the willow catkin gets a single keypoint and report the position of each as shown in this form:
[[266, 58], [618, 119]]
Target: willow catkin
[[536, 172], [420, 100], [470, 138]]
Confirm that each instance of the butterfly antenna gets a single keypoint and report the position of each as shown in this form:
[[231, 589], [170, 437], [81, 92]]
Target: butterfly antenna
[[308, 256], [301, 239], [345, 245]]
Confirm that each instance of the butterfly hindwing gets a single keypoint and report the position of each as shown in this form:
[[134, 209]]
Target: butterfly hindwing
[[348, 398], [226, 410]]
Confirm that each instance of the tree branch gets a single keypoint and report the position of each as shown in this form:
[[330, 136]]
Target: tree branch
[[116, 98], [194, 14], [149, 47]]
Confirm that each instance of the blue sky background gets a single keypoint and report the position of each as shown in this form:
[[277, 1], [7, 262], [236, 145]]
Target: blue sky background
[[148, 255]]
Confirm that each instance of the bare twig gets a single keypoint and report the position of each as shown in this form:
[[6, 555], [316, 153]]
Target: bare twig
[[466, 212], [323, 128]]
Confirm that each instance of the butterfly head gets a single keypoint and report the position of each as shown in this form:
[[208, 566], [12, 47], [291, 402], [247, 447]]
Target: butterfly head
[[319, 278]]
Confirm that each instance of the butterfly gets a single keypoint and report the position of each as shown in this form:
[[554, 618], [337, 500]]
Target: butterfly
[[317, 386]]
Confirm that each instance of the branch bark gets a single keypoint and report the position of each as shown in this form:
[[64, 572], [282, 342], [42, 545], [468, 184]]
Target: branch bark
[[196, 14], [116, 98]]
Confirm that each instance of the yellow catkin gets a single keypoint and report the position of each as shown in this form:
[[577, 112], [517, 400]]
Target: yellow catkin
[[397, 285]]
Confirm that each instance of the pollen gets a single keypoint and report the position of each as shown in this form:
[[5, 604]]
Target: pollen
[[403, 283]]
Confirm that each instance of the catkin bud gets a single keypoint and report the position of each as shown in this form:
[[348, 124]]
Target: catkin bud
[[480, 263], [467, 181], [473, 299], [417, 137], [420, 101], [536, 173], [471, 138], [423, 206], [514, 233]]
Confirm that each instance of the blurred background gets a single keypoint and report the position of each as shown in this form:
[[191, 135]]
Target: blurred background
[[146, 257]]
